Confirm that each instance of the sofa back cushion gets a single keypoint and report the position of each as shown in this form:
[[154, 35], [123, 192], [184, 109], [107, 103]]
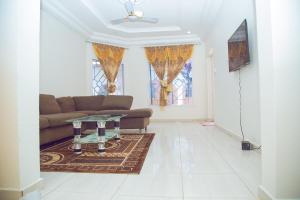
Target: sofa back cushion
[[116, 102], [48, 104], [88, 102], [66, 104]]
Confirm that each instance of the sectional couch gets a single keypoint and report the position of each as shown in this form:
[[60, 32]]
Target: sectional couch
[[55, 111]]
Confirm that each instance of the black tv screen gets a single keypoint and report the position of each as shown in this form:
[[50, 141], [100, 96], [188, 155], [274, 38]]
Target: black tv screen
[[238, 48]]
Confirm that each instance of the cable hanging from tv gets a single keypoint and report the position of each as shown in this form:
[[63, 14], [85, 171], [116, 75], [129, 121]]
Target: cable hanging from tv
[[240, 95]]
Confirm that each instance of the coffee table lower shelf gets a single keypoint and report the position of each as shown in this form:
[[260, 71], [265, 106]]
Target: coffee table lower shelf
[[101, 135]]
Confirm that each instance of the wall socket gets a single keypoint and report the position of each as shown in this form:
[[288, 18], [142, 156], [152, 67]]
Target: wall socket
[[246, 146]]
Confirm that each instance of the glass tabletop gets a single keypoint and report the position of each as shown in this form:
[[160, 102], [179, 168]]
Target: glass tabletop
[[95, 118]]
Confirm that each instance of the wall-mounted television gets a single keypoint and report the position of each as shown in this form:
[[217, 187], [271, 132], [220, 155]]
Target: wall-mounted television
[[238, 48]]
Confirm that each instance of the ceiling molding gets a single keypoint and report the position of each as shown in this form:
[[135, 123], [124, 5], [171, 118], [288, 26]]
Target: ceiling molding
[[168, 42], [143, 30], [145, 41], [109, 39], [61, 13], [56, 9]]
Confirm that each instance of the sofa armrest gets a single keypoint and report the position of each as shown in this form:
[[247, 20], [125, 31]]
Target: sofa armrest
[[141, 112]]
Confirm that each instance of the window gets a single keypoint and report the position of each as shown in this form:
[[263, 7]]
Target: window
[[99, 84], [182, 87]]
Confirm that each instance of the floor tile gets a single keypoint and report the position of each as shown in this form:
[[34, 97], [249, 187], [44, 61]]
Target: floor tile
[[214, 186], [101, 185], [145, 198], [185, 161], [244, 163], [206, 166], [74, 196], [52, 180], [223, 198], [157, 185]]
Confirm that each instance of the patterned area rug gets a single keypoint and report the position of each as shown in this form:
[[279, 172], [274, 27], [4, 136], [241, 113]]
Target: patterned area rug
[[126, 156]]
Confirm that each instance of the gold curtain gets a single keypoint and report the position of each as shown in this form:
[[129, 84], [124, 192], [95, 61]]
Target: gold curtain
[[157, 57], [178, 56], [110, 58], [170, 60]]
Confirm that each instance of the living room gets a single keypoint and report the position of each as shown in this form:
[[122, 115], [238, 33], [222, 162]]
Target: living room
[[212, 132]]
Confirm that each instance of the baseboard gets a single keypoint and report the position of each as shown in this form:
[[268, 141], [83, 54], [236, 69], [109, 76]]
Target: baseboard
[[10, 194], [178, 120], [234, 135], [263, 194], [13, 194], [32, 187]]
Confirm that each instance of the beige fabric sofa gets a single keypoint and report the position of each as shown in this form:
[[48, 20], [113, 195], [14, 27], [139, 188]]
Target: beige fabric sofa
[[55, 111]]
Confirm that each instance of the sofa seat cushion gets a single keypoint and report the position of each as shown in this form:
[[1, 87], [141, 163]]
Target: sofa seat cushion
[[48, 104], [44, 123], [134, 113], [66, 104], [59, 119], [88, 112], [88, 102]]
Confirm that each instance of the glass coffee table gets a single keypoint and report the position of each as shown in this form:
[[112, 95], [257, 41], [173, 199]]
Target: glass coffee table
[[101, 136]]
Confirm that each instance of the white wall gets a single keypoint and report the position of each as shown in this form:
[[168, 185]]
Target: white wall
[[9, 165], [63, 59], [19, 85], [278, 31], [137, 84], [66, 67], [286, 48], [231, 15]]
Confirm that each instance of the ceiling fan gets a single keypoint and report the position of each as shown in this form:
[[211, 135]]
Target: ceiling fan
[[133, 15]]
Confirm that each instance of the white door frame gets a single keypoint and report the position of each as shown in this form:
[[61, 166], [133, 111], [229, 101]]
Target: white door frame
[[210, 71]]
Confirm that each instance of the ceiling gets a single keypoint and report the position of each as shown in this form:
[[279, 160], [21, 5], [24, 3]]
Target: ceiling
[[179, 20]]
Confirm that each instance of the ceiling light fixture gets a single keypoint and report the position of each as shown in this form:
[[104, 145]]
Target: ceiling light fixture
[[133, 14], [188, 32], [138, 13]]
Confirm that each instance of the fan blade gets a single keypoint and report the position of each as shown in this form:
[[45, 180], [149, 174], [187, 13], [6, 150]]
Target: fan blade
[[129, 7], [149, 20], [119, 21], [134, 19]]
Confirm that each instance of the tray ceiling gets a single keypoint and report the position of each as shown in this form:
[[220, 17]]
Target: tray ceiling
[[178, 19]]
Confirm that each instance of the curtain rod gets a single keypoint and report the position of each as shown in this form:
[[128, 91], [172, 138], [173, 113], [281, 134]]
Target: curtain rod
[[107, 43], [170, 44], [145, 45]]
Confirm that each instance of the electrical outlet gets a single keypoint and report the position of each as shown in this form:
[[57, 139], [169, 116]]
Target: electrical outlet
[[246, 146]]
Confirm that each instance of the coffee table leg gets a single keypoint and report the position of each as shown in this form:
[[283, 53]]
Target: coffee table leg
[[117, 129], [77, 133], [101, 135]]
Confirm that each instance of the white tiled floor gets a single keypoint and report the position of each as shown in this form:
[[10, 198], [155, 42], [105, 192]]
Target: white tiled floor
[[185, 161]]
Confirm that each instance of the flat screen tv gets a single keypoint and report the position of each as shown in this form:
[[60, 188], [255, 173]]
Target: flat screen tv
[[238, 48]]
